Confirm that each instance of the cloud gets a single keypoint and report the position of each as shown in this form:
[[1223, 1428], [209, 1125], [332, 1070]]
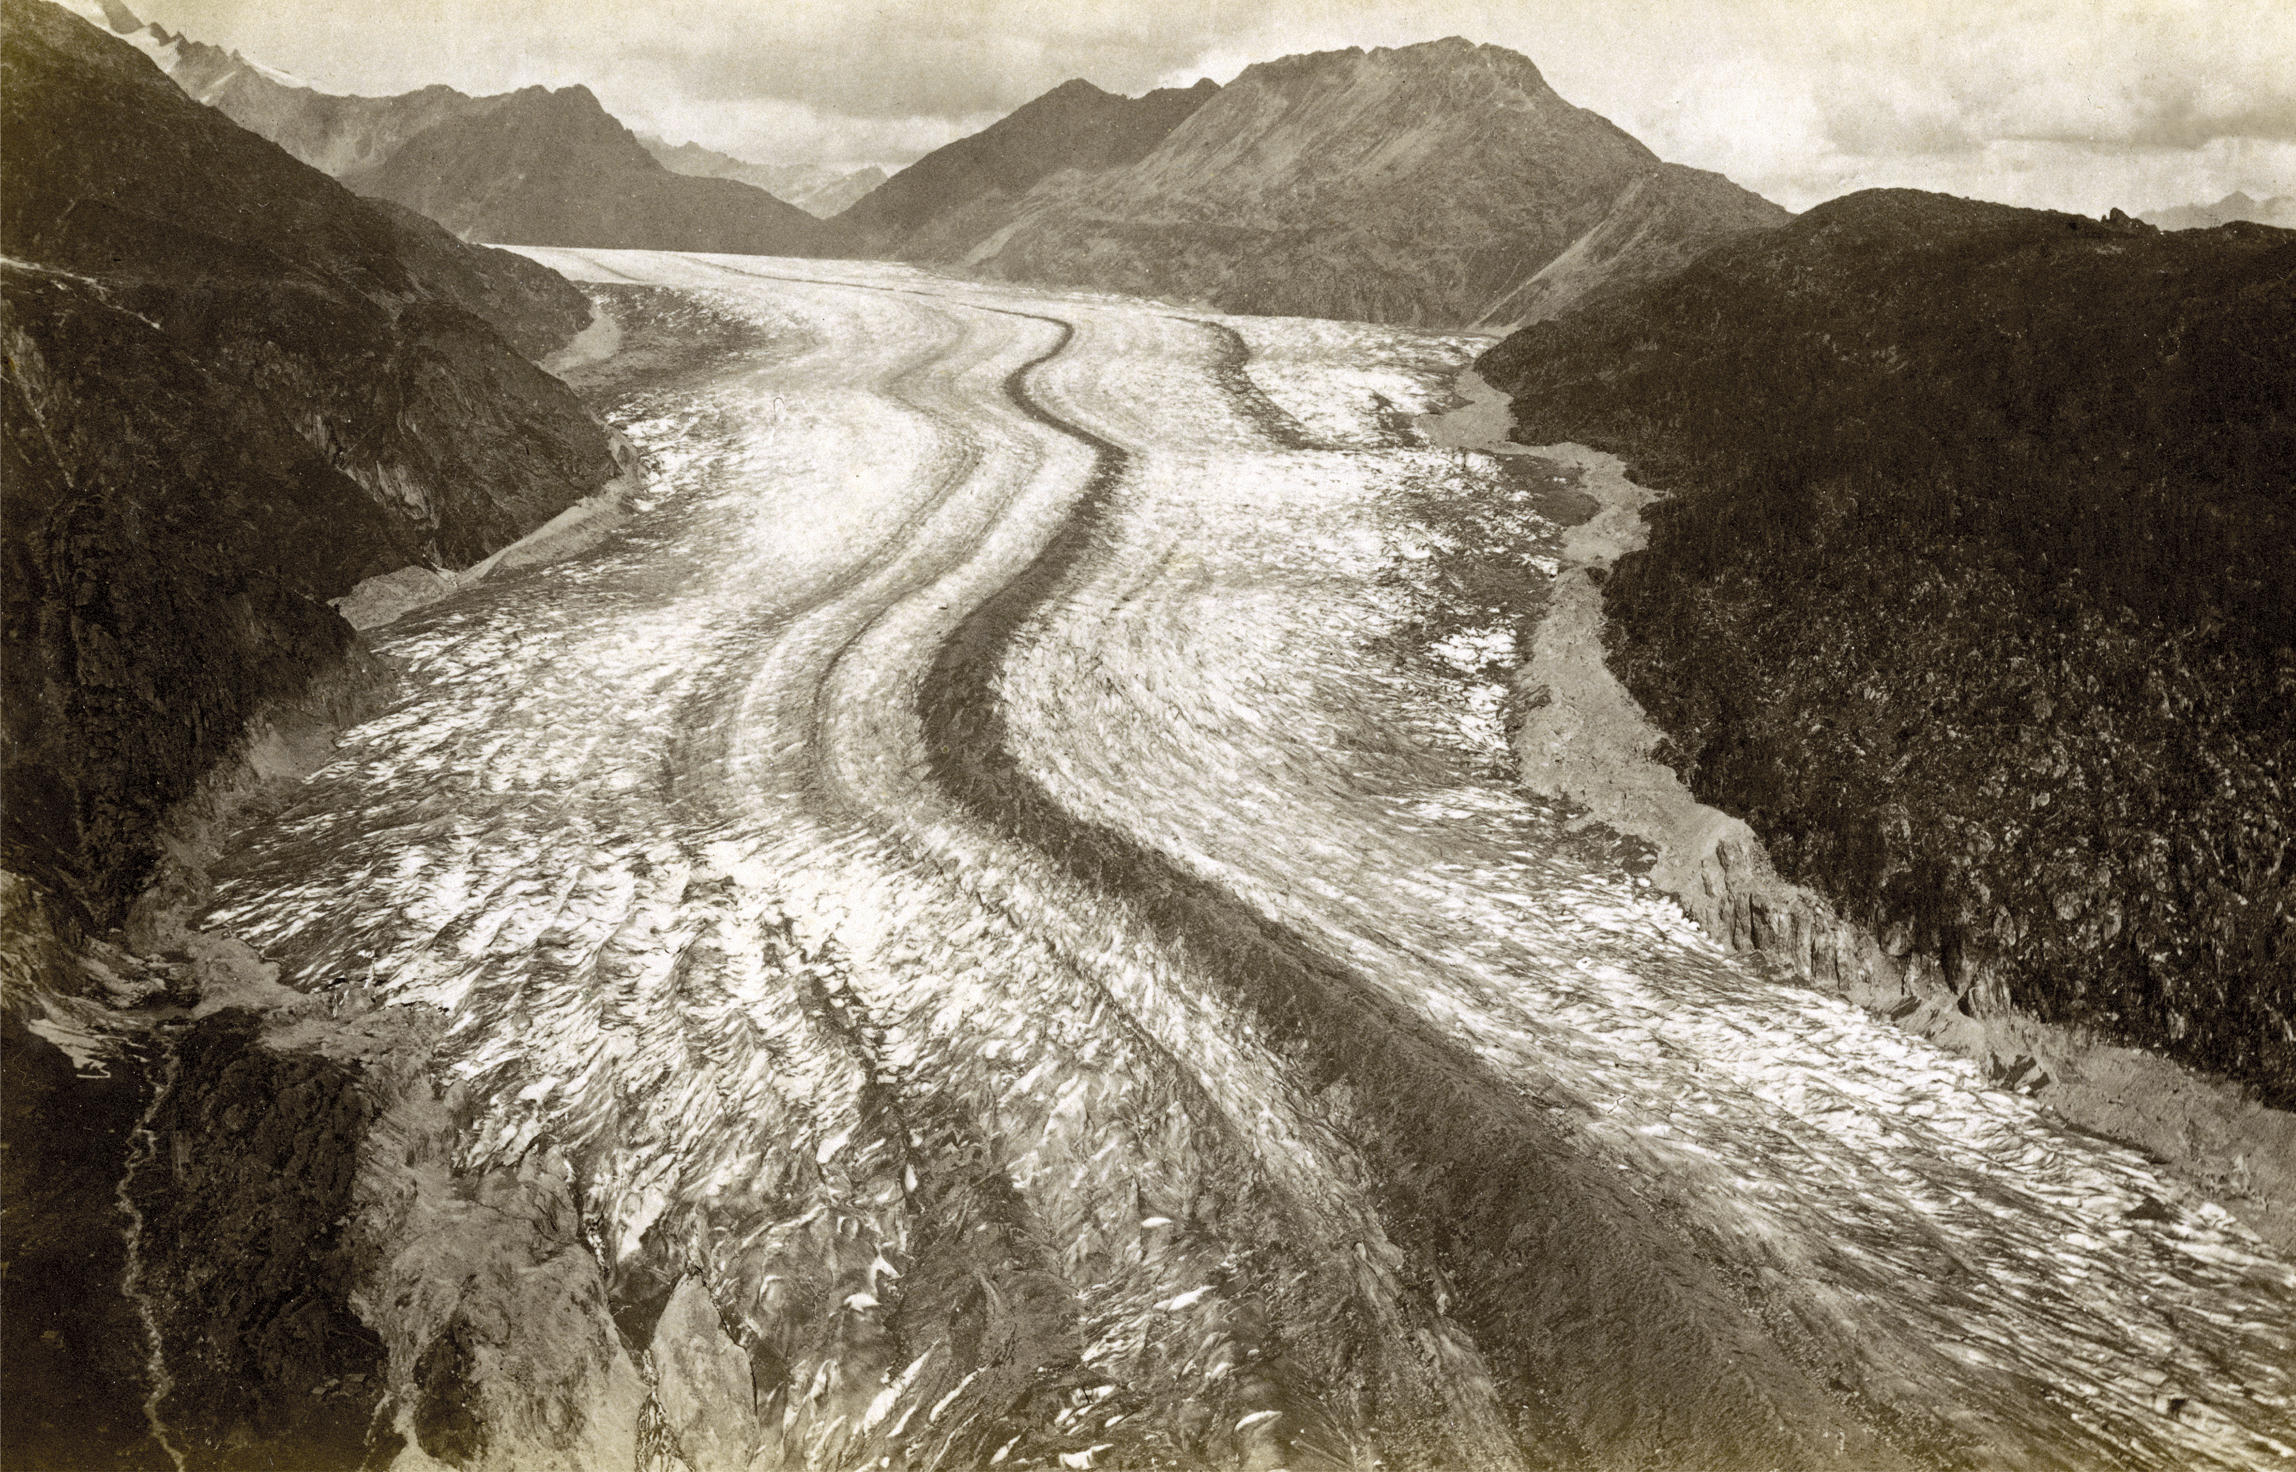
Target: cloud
[[2061, 102], [2165, 74], [768, 131], [871, 64]]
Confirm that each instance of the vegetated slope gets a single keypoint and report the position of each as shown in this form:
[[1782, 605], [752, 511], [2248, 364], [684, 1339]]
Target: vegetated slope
[[542, 167], [2279, 210], [956, 195], [818, 190], [1443, 183], [1977, 589], [233, 390]]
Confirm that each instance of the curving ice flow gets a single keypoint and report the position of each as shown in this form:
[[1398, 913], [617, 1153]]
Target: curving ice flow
[[976, 871]]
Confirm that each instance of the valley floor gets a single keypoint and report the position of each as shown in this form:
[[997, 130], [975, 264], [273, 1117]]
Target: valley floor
[[998, 896]]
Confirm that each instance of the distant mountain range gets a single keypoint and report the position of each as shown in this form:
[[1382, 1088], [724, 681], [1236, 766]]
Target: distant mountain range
[[233, 390], [2279, 210], [819, 191], [1442, 183], [533, 167]]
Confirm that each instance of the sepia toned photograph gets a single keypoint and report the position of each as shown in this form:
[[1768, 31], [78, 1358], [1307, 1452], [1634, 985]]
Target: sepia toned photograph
[[1017, 735]]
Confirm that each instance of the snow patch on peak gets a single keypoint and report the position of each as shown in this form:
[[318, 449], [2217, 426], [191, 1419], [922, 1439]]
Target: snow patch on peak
[[115, 19], [272, 73], [87, 10], [162, 48]]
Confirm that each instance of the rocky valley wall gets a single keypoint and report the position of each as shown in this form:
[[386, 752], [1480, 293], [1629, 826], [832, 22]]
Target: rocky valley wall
[[1971, 598], [233, 391]]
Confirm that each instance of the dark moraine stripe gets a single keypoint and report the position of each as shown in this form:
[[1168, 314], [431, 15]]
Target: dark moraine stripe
[[1616, 1339], [1232, 372]]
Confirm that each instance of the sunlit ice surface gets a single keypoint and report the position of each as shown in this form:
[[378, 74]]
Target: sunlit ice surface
[[991, 1154]]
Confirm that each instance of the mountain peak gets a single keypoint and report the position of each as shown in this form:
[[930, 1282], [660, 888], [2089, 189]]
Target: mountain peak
[[1303, 186], [1076, 125], [1433, 61], [106, 15], [550, 166]]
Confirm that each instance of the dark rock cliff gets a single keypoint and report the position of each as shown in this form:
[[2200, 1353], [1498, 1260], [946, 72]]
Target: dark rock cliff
[[71, 1345], [246, 1201], [1973, 594], [233, 389]]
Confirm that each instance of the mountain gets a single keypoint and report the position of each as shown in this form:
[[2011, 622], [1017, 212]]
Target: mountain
[[1442, 183], [233, 390], [818, 190], [821, 192], [327, 132], [543, 167], [2279, 210], [1975, 595], [533, 167], [944, 202]]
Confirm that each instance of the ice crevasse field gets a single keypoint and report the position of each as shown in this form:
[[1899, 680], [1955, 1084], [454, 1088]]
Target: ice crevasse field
[[1004, 868]]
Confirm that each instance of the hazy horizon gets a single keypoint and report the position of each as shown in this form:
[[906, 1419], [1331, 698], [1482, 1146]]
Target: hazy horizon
[[2068, 104]]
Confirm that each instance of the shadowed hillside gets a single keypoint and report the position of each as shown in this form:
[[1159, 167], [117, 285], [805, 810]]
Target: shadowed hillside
[[1976, 593], [233, 390]]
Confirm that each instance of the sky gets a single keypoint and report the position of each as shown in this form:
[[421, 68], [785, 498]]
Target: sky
[[2068, 104]]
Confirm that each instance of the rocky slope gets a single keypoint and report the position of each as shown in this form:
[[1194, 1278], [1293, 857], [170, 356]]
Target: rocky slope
[[1442, 183], [533, 167], [1972, 593], [234, 390], [820, 191], [941, 205]]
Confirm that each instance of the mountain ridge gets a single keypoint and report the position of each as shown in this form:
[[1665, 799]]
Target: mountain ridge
[[817, 189], [544, 166], [1075, 125], [2278, 210], [534, 166], [1427, 184]]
